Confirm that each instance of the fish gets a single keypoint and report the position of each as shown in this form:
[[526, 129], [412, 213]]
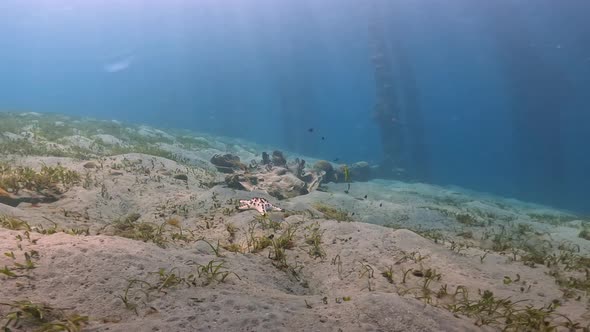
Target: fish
[[323, 138], [262, 205], [118, 65], [310, 130], [346, 174], [366, 196]]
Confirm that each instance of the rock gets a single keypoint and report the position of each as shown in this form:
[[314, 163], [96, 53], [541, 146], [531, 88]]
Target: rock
[[286, 186], [360, 171], [25, 197], [325, 166], [277, 177], [278, 159], [227, 163], [90, 164], [182, 177], [234, 181], [297, 167]]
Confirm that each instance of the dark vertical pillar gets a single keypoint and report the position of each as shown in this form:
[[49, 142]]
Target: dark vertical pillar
[[418, 161], [398, 111], [386, 106]]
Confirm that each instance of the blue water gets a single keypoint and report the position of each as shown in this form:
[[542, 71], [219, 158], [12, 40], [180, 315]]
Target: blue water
[[498, 90]]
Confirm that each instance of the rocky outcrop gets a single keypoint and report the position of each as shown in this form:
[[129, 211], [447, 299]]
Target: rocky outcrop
[[274, 175], [227, 163], [278, 159], [360, 171], [327, 168]]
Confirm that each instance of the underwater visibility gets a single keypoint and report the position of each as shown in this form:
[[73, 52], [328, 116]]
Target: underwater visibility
[[283, 165]]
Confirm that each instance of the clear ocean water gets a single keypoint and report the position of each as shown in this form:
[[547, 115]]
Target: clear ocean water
[[488, 95]]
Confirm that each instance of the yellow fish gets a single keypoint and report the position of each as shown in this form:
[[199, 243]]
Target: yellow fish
[[346, 174]]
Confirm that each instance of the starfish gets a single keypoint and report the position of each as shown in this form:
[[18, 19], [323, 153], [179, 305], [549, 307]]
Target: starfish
[[259, 204]]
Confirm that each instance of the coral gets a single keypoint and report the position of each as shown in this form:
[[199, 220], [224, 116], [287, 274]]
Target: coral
[[297, 167], [278, 159], [265, 158]]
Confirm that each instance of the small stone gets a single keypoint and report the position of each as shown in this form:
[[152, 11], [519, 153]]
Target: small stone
[[90, 164], [182, 177]]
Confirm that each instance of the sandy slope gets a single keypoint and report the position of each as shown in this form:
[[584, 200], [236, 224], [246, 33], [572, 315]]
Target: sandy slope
[[88, 274]]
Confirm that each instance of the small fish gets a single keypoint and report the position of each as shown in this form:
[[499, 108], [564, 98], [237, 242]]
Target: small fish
[[335, 159], [380, 204], [119, 65], [310, 130], [366, 196], [353, 213], [323, 138], [346, 174]]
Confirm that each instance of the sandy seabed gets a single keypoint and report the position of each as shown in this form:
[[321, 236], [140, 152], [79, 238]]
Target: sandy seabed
[[135, 247]]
